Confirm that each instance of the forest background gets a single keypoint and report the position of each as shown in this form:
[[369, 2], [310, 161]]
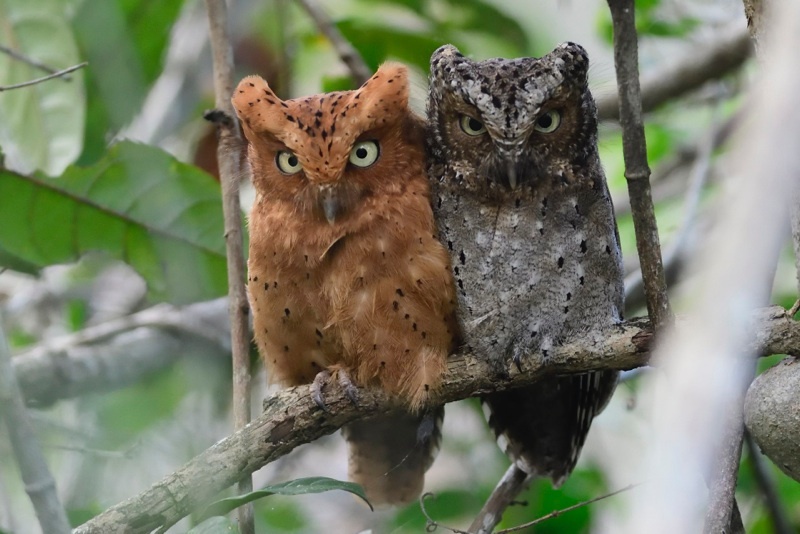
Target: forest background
[[112, 245]]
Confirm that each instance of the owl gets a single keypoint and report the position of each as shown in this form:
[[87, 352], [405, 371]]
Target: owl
[[347, 279], [523, 208]]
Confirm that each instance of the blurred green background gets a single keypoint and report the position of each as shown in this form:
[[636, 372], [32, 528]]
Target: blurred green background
[[108, 205]]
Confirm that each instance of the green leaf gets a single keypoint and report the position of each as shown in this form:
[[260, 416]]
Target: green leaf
[[124, 42], [300, 486], [137, 204], [215, 525], [375, 42], [41, 126]]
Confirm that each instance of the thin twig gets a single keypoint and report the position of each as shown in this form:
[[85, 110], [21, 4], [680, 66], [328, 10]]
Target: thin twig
[[791, 312], [30, 61], [39, 483], [637, 172], [432, 525], [291, 418], [228, 156], [557, 513], [514, 481], [44, 78], [359, 70], [780, 522], [723, 513]]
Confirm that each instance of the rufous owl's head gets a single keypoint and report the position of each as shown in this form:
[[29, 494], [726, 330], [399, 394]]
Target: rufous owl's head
[[326, 152]]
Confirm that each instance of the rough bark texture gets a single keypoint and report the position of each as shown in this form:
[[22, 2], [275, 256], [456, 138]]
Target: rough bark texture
[[772, 415], [634, 150], [291, 418]]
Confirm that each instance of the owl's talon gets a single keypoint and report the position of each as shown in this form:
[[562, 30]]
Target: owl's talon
[[517, 358], [316, 389], [347, 385], [518, 362]]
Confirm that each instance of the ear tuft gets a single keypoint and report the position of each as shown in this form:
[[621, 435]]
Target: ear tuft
[[384, 96], [257, 106]]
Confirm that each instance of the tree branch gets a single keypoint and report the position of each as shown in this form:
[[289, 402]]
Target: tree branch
[[38, 481], [291, 418], [514, 481], [119, 353], [230, 169], [780, 523], [359, 70], [30, 61], [637, 172], [699, 66], [708, 365]]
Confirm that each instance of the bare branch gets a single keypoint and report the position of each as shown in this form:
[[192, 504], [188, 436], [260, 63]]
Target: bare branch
[[119, 353], [43, 78], [359, 70], [514, 482], [39, 482], [228, 156], [699, 66], [709, 365], [637, 172], [291, 418]]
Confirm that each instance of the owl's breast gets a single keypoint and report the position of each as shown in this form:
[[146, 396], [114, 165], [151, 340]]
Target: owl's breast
[[531, 270]]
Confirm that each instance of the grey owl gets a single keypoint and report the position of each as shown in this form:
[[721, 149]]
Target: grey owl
[[524, 210]]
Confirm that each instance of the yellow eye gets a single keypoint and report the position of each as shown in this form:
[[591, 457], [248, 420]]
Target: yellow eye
[[287, 162], [548, 121], [472, 126], [364, 153]]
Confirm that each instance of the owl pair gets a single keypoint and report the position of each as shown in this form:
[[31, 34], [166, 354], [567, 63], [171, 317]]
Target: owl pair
[[351, 280]]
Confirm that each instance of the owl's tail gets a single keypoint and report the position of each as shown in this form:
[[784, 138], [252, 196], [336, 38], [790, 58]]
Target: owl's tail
[[389, 454], [543, 427]]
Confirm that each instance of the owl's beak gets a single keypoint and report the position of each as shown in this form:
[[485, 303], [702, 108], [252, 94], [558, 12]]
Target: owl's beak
[[511, 173], [330, 203]]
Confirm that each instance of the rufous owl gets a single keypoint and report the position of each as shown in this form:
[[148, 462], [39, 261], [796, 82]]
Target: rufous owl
[[347, 279]]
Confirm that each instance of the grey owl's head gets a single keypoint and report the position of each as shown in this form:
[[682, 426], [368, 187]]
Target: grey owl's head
[[501, 125]]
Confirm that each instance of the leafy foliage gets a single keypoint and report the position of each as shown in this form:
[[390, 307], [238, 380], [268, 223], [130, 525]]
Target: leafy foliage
[[300, 486], [138, 204], [41, 127], [161, 215]]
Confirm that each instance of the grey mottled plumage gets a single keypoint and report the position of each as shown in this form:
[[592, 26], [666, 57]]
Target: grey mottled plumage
[[523, 207]]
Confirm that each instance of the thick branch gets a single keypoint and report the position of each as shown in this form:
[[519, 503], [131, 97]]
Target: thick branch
[[229, 171], [637, 172], [291, 418], [701, 64], [119, 353], [39, 482]]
